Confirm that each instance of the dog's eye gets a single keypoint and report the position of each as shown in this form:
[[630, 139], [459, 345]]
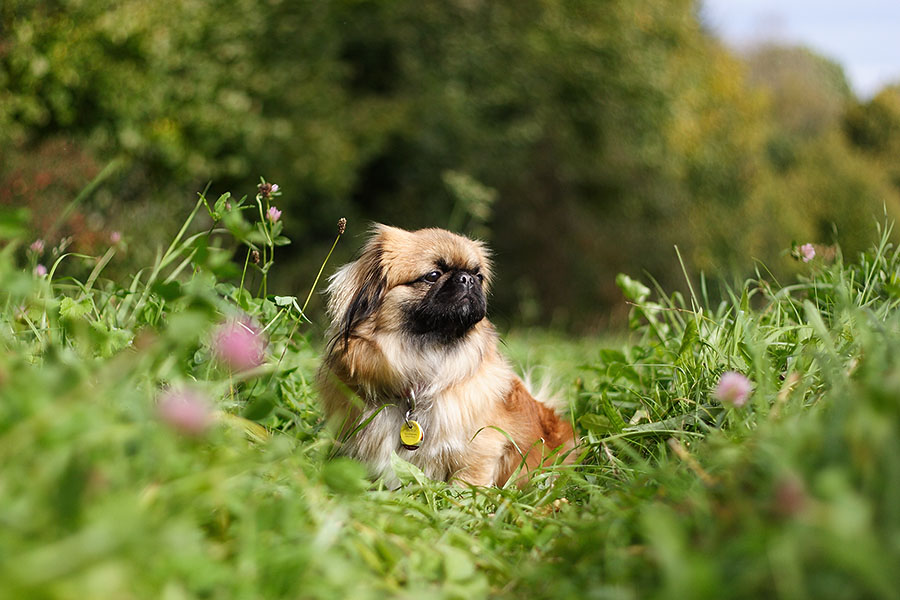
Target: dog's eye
[[432, 277], [480, 277]]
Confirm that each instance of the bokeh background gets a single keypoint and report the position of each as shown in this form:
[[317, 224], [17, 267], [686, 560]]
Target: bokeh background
[[581, 139]]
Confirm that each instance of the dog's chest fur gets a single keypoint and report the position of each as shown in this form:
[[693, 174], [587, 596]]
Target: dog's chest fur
[[450, 420]]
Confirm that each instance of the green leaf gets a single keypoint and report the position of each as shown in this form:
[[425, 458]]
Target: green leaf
[[345, 476], [236, 224], [689, 337], [226, 289], [71, 309], [596, 423], [406, 472], [109, 340], [186, 327], [610, 357], [17, 285], [457, 564], [634, 290], [276, 228], [218, 261], [220, 204], [243, 299], [260, 407], [167, 291], [615, 419], [619, 371], [258, 236], [285, 300], [13, 223]]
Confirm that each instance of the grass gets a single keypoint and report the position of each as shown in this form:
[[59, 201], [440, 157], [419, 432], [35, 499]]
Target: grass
[[796, 494]]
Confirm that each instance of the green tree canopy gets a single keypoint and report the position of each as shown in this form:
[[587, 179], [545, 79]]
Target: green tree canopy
[[584, 138]]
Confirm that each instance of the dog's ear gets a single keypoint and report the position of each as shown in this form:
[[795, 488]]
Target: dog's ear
[[356, 290]]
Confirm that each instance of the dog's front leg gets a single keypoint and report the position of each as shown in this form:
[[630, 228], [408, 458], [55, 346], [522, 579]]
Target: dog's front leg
[[483, 459]]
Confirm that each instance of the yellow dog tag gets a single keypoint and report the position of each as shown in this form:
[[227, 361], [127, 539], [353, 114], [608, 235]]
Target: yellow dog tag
[[411, 435]]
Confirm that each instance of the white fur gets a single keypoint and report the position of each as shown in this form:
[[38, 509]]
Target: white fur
[[447, 423]]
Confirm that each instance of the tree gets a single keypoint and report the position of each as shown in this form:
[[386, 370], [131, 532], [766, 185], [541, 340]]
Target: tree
[[808, 92]]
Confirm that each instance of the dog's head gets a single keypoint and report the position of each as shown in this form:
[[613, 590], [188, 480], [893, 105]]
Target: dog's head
[[430, 285]]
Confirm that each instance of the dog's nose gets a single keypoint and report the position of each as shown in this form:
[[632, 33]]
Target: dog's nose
[[466, 280]]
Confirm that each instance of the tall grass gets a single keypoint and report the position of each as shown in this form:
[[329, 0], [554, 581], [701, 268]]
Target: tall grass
[[103, 495]]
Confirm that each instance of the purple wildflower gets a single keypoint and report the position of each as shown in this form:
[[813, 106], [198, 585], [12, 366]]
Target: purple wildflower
[[273, 214], [807, 252], [733, 388], [239, 345], [186, 411]]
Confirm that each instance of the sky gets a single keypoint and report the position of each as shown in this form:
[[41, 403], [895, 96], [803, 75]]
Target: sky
[[863, 36]]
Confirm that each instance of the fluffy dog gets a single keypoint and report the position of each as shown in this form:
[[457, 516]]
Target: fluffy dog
[[412, 365]]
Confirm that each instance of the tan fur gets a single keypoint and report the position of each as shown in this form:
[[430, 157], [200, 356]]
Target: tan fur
[[480, 422]]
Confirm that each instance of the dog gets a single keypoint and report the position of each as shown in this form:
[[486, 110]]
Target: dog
[[412, 366]]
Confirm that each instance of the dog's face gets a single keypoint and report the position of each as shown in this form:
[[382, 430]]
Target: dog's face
[[430, 285]]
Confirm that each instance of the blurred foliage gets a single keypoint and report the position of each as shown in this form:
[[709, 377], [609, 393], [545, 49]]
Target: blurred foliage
[[874, 128], [792, 494], [107, 492], [582, 138], [809, 93]]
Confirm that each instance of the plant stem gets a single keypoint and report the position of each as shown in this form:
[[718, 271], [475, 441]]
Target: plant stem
[[319, 274], [246, 263]]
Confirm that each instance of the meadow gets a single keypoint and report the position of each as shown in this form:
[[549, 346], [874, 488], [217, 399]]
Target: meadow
[[160, 438]]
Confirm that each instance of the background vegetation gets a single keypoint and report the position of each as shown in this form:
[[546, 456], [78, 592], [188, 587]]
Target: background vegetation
[[582, 138], [160, 439]]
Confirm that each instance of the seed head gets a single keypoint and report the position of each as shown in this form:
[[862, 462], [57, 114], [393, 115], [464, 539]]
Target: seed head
[[266, 190], [342, 225]]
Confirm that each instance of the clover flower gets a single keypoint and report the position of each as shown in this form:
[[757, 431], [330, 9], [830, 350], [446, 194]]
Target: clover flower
[[37, 246], [239, 345], [807, 252], [273, 214], [733, 388], [40, 270], [115, 237], [186, 411]]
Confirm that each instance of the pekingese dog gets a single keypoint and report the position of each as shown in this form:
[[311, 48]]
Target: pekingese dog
[[412, 365]]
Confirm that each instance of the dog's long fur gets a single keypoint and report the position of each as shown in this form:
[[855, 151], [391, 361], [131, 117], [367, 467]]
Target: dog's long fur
[[480, 421]]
